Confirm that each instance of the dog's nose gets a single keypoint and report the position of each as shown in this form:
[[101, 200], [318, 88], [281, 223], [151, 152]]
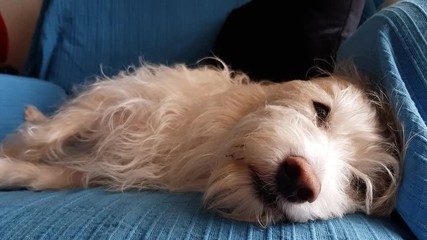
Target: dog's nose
[[297, 181]]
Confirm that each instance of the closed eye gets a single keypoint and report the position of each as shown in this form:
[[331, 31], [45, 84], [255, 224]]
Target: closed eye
[[322, 113]]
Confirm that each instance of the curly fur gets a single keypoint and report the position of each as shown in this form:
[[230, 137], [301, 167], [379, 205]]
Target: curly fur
[[214, 131]]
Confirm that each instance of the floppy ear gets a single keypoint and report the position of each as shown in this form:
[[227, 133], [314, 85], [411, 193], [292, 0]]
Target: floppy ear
[[385, 174], [392, 130]]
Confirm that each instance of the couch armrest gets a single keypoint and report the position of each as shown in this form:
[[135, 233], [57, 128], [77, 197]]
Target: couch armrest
[[17, 92]]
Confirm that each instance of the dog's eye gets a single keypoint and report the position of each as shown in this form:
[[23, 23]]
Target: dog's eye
[[322, 112]]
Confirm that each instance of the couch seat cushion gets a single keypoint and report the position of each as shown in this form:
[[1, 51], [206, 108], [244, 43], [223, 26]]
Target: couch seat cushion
[[98, 214]]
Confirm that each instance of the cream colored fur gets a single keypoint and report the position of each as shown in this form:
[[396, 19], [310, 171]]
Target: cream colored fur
[[210, 130]]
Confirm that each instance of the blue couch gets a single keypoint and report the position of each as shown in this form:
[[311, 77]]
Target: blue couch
[[77, 41]]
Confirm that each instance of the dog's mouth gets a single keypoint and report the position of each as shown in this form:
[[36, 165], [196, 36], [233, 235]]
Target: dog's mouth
[[295, 182], [262, 190]]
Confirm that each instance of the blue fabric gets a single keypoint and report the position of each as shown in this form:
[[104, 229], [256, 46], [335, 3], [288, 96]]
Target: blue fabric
[[17, 92], [97, 214], [392, 48], [78, 40], [371, 7], [75, 37]]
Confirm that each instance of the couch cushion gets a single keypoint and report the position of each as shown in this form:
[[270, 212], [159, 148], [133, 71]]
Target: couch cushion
[[79, 39], [17, 92], [97, 214], [391, 47]]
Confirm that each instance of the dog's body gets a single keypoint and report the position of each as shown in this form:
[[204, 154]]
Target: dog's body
[[299, 150]]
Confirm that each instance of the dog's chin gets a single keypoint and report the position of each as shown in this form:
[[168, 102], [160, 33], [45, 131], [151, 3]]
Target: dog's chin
[[252, 202], [231, 191], [285, 209], [239, 192]]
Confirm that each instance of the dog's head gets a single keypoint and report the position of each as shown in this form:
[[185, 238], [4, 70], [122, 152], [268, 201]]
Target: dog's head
[[316, 149]]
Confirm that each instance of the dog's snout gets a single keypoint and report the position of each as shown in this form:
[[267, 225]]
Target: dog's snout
[[297, 181]]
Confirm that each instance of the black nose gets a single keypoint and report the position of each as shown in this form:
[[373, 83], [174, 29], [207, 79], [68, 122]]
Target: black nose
[[296, 180]]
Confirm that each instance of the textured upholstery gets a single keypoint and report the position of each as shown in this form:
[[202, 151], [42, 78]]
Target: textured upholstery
[[97, 214], [69, 48], [79, 40]]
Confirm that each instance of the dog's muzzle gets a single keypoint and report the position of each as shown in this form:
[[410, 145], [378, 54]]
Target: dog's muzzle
[[296, 180]]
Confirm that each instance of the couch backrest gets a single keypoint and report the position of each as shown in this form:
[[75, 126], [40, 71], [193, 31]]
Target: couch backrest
[[78, 40]]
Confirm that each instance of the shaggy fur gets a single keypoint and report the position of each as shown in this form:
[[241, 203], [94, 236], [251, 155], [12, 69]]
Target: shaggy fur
[[214, 131]]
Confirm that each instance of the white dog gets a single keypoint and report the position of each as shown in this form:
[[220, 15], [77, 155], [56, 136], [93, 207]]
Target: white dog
[[259, 152]]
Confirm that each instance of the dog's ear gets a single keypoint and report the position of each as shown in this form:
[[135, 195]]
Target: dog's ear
[[385, 178], [392, 131], [375, 190]]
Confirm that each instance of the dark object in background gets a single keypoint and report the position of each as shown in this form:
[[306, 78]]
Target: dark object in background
[[282, 40]]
